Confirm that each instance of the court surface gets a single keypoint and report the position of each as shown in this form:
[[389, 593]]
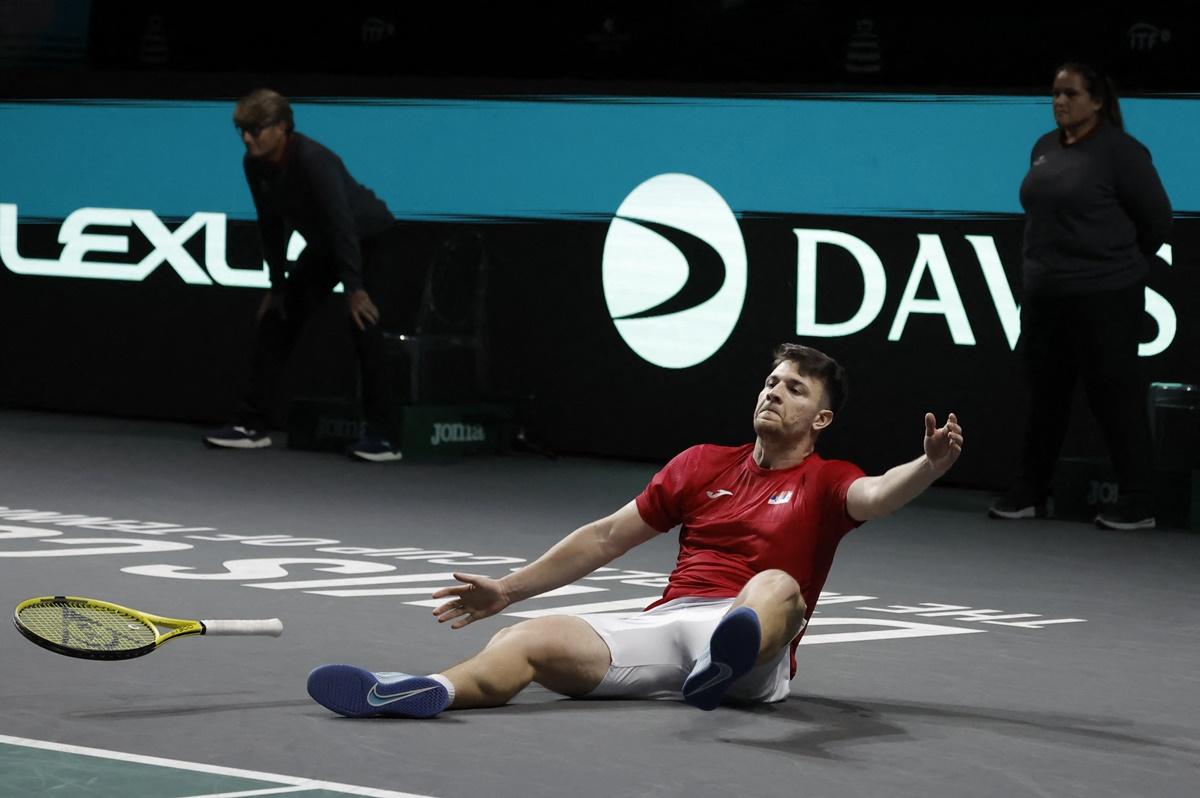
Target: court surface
[[950, 656]]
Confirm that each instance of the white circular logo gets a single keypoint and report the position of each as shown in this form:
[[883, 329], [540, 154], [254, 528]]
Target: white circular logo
[[674, 271]]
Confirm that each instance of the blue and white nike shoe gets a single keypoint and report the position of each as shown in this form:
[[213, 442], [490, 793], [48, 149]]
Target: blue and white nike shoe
[[732, 651], [358, 693]]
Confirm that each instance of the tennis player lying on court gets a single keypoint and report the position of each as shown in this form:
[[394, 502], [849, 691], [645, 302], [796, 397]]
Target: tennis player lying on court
[[759, 527]]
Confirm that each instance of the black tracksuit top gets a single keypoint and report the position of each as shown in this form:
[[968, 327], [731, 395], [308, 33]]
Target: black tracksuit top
[[312, 193], [1095, 211]]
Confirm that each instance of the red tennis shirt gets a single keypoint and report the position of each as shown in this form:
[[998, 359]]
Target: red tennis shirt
[[737, 519]]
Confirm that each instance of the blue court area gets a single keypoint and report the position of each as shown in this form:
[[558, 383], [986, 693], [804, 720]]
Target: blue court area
[[950, 655]]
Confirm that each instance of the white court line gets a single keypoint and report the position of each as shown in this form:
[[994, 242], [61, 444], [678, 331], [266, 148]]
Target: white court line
[[219, 770], [890, 630], [250, 793], [305, 584], [566, 590], [424, 590], [825, 601]]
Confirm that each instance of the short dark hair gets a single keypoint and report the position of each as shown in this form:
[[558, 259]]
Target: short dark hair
[[1100, 86], [815, 363], [263, 107]]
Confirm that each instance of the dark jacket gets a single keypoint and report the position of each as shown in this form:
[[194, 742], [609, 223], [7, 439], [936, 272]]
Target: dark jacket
[[312, 193], [1095, 211]]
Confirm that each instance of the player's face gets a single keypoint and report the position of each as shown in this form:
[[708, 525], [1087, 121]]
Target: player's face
[[791, 405], [1074, 106], [264, 142]]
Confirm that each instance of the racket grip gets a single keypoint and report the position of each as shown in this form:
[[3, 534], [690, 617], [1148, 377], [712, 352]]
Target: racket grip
[[268, 626]]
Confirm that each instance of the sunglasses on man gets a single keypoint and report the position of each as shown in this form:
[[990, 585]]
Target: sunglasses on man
[[253, 130]]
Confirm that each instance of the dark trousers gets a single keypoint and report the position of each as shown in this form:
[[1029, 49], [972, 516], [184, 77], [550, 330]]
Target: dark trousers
[[308, 287], [1093, 337]]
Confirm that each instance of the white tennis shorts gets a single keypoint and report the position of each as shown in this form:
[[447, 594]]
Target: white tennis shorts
[[654, 651]]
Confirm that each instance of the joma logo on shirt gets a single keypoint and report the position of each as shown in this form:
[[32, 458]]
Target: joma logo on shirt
[[780, 498]]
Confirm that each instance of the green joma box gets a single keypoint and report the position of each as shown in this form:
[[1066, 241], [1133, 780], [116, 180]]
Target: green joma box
[[422, 432], [433, 431]]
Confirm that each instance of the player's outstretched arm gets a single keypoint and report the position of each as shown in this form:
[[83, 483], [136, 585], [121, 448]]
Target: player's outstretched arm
[[574, 557], [874, 497]]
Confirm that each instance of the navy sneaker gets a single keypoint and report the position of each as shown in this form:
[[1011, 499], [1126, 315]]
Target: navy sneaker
[[732, 651], [1131, 511], [358, 693], [377, 450], [237, 436]]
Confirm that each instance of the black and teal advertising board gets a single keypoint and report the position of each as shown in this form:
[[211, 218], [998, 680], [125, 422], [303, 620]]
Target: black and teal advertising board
[[647, 254]]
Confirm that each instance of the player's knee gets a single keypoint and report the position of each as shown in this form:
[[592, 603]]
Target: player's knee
[[536, 634], [499, 637], [778, 586], [529, 637], [555, 641]]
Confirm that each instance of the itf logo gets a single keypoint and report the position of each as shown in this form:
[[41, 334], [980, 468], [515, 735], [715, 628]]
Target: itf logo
[[674, 271]]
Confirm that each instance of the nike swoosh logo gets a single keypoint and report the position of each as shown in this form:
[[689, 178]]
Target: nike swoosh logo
[[716, 494], [723, 673], [377, 699]]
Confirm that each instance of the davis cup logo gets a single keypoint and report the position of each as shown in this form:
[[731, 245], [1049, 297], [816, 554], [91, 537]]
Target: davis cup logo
[[674, 271]]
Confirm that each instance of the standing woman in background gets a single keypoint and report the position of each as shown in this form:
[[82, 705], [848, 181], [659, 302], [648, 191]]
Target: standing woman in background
[[1095, 214]]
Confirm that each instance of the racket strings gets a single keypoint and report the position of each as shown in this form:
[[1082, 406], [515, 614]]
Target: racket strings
[[86, 627]]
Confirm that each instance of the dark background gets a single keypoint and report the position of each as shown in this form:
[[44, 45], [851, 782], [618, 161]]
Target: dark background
[[1148, 47]]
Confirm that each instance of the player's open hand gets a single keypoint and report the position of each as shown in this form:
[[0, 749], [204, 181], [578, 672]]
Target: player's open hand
[[362, 309], [477, 598], [943, 444]]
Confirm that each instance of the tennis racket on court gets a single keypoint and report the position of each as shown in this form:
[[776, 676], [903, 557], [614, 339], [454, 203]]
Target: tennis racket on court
[[92, 629]]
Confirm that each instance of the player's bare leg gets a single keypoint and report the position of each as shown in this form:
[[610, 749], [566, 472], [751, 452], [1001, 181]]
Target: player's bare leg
[[559, 652], [765, 616], [776, 600]]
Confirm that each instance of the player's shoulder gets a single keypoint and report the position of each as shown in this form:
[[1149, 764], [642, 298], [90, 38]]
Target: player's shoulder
[[835, 470]]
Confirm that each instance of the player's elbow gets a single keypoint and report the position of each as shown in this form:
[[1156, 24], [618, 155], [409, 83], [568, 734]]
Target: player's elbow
[[865, 501]]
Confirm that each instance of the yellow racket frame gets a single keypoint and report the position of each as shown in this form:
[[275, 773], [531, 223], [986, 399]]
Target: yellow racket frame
[[175, 627]]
